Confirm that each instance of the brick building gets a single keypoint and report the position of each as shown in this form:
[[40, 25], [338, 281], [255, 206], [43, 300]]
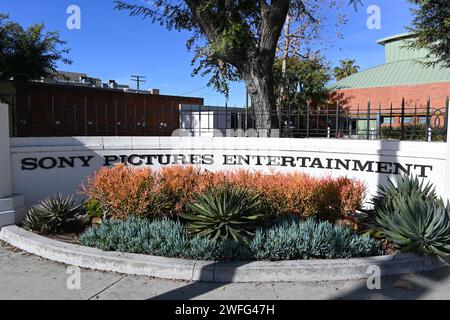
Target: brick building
[[403, 76], [85, 108]]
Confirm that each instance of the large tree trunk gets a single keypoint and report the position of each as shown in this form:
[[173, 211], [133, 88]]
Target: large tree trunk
[[255, 60], [260, 86]]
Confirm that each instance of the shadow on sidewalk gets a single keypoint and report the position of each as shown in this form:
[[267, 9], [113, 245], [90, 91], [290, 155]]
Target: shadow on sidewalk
[[198, 288]]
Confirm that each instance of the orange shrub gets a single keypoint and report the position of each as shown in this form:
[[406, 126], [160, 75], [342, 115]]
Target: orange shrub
[[168, 191], [121, 191], [352, 195], [296, 193], [180, 184]]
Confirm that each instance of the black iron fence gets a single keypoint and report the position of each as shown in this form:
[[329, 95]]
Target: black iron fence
[[128, 115], [371, 122]]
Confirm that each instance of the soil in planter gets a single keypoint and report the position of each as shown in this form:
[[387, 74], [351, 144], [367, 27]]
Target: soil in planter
[[388, 247], [72, 238], [71, 235]]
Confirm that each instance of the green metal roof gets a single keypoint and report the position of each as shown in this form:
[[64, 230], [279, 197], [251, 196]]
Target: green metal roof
[[402, 68], [396, 37], [403, 72]]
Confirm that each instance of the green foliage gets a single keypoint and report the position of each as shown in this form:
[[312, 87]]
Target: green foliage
[[160, 237], [225, 212], [412, 217], [306, 80], [431, 25], [291, 239], [413, 132], [406, 187], [28, 54], [417, 226], [230, 36], [347, 68], [288, 239], [93, 209], [53, 215]]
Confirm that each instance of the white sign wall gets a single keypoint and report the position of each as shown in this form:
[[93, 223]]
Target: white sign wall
[[45, 166]]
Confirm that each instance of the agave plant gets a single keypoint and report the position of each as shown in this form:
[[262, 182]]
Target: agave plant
[[226, 212], [406, 187], [417, 226], [52, 215], [413, 217]]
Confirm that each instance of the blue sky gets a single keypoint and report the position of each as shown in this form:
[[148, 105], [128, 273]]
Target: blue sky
[[112, 45]]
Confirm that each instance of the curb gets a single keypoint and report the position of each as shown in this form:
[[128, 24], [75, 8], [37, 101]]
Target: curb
[[220, 272]]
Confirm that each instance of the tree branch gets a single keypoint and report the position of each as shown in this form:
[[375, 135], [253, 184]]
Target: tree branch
[[273, 17]]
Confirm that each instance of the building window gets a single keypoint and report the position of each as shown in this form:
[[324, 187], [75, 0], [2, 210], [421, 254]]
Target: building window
[[422, 120], [408, 120], [388, 120]]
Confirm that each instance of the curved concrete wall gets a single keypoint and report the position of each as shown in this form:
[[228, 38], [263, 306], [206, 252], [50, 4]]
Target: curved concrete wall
[[44, 166]]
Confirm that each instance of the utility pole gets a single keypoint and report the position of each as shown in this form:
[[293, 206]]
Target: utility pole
[[284, 90], [287, 44], [138, 80], [246, 108]]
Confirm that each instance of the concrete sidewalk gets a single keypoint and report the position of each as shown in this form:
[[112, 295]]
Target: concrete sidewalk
[[23, 276]]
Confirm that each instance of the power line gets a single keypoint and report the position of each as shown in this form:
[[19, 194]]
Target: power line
[[189, 92]]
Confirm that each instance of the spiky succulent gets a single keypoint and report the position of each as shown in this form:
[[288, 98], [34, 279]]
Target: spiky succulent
[[417, 226], [406, 187], [52, 215], [226, 212], [413, 217]]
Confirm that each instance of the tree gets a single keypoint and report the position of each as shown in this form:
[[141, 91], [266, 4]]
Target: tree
[[28, 54], [305, 79], [431, 25], [232, 39], [347, 68]]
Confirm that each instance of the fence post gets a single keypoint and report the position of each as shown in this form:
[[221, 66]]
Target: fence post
[[447, 169], [428, 122], [53, 113], [200, 120], [368, 121], [447, 105], [415, 120], [337, 119], [307, 119], [390, 121], [14, 131], [357, 122], [29, 117], [317, 121], [402, 128], [116, 119], [85, 117], [12, 208], [380, 120]]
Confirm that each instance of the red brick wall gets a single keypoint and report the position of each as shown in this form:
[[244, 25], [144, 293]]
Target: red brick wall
[[44, 110], [437, 92]]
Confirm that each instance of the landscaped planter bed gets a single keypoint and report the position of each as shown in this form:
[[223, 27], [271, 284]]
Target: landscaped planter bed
[[211, 271], [222, 224]]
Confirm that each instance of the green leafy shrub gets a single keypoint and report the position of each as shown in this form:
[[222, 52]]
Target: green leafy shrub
[[93, 209], [416, 132], [288, 239], [164, 237], [226, 212], [291, 239], [413, 218], [53, 215]]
